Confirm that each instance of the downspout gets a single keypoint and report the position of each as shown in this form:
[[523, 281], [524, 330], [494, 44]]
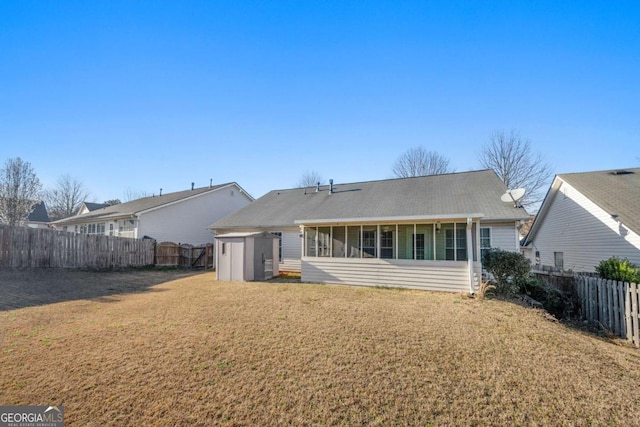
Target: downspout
[[472, 289]]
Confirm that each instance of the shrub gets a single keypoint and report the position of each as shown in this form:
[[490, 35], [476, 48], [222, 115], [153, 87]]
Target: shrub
[[509, 269], [552, 299], [618, 269]]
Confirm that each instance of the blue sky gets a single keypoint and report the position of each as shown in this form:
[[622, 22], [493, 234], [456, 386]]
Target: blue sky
[[141, 95]]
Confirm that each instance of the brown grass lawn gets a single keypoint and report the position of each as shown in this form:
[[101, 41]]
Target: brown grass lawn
[[195, 351]]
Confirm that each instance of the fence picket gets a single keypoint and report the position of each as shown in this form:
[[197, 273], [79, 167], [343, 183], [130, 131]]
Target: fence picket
[[22, 247]]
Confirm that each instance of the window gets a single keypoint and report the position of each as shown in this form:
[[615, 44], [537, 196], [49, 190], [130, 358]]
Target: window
[[338, 242], [279, 234], [418, 248], [461, 243], [110, 229], [558, 258], [485, 241], [449, 244], [386, 244], [310, 241], [126, 228], [369, 242], [324, 241]]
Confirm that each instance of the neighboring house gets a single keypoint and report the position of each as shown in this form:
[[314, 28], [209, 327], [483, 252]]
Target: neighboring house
[[425, 232], [87, 207], [180, 217], [38, 218], [586, 218]]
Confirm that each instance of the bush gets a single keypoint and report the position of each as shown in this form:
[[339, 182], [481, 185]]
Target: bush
[[552, 299], [509, 269], [618, 269]]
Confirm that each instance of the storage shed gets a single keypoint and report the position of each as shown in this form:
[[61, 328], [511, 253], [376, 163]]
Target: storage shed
[[246, 256]]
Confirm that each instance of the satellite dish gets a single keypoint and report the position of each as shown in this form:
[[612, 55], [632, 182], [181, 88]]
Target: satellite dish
[[513, 196]]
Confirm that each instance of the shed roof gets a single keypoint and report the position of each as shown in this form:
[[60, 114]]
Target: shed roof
[[427, 196], [134, 207]]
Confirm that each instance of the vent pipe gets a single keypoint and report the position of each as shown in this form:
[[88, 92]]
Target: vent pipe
[[318, 187], [161, 191], [210, 182], [192, 184], [330, 186]]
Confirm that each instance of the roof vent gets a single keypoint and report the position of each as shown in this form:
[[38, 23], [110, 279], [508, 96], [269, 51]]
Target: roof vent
[[318, 187], [330, 186], [161, 191], [622, 172], [192, 184]]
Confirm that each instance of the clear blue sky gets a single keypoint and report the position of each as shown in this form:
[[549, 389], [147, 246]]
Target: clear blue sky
[[143, 95]]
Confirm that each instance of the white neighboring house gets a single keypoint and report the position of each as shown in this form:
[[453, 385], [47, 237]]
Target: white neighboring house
[[586, 218], [426, 232], [180, 217]]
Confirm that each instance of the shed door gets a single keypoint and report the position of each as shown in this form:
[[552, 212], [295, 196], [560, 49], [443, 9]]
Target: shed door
[[236, 253]]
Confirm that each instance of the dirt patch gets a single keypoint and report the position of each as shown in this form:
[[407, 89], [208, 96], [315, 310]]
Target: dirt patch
[[196, 351]]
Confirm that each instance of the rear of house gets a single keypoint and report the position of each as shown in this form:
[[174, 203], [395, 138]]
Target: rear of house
[[586, 218], [424, 232]]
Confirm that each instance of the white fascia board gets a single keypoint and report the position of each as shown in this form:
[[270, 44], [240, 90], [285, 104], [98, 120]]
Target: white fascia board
[[542, 212], [381, 219], [233, 184]]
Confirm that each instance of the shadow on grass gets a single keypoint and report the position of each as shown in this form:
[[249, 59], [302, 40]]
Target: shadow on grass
[[33, 287]]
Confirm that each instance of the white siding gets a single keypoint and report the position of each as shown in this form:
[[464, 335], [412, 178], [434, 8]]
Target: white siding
[[187, 220], [291, 251], [583, 232], [448, 276], [503, 236]]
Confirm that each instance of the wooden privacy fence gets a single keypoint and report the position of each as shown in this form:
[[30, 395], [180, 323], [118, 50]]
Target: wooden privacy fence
[[615, 305], [22, 247], [169, 254]]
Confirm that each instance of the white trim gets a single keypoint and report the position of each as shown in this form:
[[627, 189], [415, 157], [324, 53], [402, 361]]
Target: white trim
[[389, 219], [233, 184]]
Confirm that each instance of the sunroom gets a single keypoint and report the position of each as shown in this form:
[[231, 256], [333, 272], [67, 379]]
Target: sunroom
[[436, 253]]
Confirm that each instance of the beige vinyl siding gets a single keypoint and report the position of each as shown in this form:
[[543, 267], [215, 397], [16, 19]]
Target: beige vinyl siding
[[448, 276], [583, 232]]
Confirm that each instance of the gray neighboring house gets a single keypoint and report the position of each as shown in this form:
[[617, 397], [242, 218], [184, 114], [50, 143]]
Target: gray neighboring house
[[585, 218], [425, 232], [38, 218], [180, 217]]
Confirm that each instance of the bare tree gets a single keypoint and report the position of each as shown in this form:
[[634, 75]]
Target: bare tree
[[511, 157], [112, 202], [310, 179], [20, 191], [418, 161], [65, 199], [131, 194]]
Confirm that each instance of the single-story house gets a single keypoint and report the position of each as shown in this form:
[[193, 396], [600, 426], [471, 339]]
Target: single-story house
[[585, 218], [425, 232], [180, 217]]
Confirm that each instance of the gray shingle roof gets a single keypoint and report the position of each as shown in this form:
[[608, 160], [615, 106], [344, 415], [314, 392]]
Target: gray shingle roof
[[128, 209], [457, 193], [94, 206], [614, 192], [39, 213]]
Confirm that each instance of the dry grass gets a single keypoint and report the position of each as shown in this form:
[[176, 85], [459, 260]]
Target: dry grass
[[195, 351]]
